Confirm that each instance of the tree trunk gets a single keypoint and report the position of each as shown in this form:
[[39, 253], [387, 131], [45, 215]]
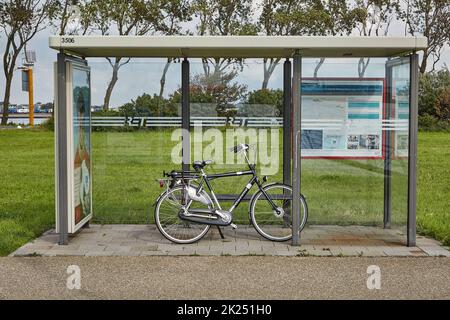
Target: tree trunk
[[362, 67], [6, 99], [423, 64], [265, 82], [162, 82], [216, 74], [111, 84], [205, 67], [316, 69], [268, 71]]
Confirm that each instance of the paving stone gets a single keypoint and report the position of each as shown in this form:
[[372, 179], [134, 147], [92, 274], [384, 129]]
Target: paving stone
[[95, 247], [374, 252], [70, 246], [28, 252], [99, 253], [182, 253], [255, 247], [145, 248], [114, 248], [241, 252], [427, 242], [126, 253], [69, 252], [153, 253], [202, 251], [35, 247], [316, 252], [227, 251], [398, 251], [435, 251]]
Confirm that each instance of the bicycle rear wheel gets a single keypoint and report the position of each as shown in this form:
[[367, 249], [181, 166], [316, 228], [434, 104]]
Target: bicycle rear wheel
[[267, 222], [169, 223]]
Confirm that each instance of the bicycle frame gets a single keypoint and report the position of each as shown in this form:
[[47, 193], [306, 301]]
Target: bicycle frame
[[254, 180]]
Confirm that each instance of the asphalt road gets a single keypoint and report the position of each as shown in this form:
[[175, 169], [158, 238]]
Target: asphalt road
[[248, 277]]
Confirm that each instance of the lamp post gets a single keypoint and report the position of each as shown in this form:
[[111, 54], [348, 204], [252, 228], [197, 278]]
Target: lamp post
[[27, 81]]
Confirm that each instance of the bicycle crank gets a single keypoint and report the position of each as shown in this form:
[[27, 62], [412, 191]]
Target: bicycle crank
[[212, 217]]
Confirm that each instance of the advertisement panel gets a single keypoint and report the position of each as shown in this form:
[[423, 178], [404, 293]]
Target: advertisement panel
[[81, 155], [76, 126]]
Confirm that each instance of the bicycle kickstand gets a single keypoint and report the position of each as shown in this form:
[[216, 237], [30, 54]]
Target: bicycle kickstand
[[220, 232]]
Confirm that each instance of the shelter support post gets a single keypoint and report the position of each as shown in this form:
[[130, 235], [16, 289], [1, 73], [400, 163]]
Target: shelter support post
[[388, 151], [287, 135], [185, 115], [61, 149], [297, 142], [412, 149]]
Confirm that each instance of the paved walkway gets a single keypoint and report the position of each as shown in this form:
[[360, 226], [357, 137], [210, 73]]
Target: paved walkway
[[223, 278], [145, 240]]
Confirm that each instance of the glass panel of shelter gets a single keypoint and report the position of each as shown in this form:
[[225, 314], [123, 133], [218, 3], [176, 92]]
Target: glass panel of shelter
[[343, 150], [230, 103], [133, 142], [343, 147]]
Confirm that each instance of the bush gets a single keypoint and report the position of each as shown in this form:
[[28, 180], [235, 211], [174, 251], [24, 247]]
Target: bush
[[431, 123], [431, 86], [442, 106], [106, 113], [147, 105], [267, 96], [49, 124], [434, 101]]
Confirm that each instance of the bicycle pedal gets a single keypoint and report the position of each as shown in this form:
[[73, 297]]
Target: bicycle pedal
[[233, 225]]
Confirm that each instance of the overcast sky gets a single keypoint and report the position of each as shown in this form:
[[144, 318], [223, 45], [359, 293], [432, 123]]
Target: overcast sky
[[143, 75]]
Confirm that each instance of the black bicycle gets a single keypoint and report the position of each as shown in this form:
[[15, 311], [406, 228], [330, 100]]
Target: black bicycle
[[185, 211]]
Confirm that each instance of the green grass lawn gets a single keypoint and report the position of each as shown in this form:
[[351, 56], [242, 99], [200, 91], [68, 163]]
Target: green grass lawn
[[127, 165]]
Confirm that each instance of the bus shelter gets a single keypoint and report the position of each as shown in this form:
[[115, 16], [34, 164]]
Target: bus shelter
[[391, 110]]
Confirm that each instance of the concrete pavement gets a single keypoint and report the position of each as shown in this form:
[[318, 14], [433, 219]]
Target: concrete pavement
[[245, 277]]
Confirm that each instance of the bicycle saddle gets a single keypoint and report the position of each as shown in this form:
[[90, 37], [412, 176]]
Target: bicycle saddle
[[240, 147], [201, 164]]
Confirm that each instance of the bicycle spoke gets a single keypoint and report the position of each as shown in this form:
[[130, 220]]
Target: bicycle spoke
[[267, 221], [167, 216]]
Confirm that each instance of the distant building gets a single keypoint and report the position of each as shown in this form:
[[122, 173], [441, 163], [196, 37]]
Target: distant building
[[37, 107], [23, 108], [11, 109], [96, 108]]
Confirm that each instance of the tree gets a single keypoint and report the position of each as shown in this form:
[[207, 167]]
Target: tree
[[430, 18], [302, 17], [442, 105], [217, 88], [431, 86], [181, 12], [147, 105], [133, 17], [373, 17], [20, 20], [267, 96], [70, 17], [224, 18]]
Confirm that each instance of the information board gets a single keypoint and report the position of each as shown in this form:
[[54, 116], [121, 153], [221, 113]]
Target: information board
[[342, 117]]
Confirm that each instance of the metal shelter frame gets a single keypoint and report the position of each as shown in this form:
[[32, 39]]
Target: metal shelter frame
[[78, 48]]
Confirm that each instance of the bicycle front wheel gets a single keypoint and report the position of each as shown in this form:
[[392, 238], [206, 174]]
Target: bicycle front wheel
[[272, 224], [169, 223]]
